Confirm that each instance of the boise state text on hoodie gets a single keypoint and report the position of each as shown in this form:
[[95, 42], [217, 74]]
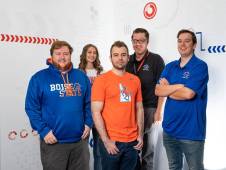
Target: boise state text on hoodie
[[49, 108]]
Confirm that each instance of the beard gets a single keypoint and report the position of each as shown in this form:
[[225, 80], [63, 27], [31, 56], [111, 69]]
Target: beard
[[64, 68], [119, 67]]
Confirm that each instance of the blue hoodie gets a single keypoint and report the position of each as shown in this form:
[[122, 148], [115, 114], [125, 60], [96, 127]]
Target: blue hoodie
[[49, 108]]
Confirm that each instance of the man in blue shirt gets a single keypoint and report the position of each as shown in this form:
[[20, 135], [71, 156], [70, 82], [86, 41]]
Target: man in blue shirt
[[58, 106], [184, 83]]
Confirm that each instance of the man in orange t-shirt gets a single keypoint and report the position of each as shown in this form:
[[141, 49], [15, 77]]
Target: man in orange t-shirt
[[118, 112]]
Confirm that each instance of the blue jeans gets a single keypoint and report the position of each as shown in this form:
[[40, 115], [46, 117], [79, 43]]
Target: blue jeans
[[126, 159], [192, 150]]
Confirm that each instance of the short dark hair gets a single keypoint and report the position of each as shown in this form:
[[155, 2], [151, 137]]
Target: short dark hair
[[141, 30], [194, 39], [119, 44], [58, 44]]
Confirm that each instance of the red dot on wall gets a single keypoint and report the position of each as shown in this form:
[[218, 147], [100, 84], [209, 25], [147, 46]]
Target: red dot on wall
[[150, 10]]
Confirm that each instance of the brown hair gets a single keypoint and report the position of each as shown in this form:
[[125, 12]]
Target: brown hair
[[141, 30], [83, 62], [194, 39], [119, 44], [58, 44]]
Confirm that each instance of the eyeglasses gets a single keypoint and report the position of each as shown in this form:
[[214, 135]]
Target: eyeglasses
[[139, 42]]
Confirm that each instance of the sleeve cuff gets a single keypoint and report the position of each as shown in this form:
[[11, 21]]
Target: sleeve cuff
[[44, 132], [89, 123]]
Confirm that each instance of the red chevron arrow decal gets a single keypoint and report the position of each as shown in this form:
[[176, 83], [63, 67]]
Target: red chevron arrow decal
[[50, 41], [46, 40], [12, 38], [34, 40], [17, 38], [3, 37], [42, 40], [38, 40], [30, 40], [21, 38], [26, 39], [7, 37]]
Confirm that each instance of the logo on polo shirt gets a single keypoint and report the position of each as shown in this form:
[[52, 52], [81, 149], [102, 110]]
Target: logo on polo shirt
[[186, 75], [125, 96], [146, 67]]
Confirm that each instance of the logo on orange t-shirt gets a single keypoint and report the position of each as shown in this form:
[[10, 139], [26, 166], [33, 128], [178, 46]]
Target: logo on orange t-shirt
[[125, 96]]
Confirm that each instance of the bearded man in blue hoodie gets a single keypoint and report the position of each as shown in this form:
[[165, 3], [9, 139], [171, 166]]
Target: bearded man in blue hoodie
[[58, 106]]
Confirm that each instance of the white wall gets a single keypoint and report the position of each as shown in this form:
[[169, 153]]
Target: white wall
[[101, 23]]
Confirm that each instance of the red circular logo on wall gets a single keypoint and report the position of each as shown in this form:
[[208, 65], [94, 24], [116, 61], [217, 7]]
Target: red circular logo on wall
[[150, 10]]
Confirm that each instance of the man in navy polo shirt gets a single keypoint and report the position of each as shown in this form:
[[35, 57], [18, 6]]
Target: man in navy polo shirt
[[184, 83]]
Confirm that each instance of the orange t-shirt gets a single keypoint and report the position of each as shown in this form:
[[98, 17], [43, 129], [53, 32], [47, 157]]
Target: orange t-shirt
[[119, 94]]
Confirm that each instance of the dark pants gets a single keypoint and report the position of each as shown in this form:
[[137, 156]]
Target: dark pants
[[126, 159], [96, 150], [68, 156]]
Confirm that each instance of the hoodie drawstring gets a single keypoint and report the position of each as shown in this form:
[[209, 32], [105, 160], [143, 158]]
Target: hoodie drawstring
[[67, 85]]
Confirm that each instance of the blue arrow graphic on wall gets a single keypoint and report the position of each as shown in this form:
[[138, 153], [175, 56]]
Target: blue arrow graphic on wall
[[216, 49], [223, 48]]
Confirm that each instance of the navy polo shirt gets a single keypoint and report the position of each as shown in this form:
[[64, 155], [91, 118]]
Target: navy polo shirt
[[186, 119]]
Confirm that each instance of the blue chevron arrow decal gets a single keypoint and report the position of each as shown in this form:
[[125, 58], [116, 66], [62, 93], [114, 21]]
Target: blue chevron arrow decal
[[216, 49], [223, 48], [210, 49]]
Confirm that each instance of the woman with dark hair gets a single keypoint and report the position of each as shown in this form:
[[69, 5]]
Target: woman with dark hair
[[90, 64]]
